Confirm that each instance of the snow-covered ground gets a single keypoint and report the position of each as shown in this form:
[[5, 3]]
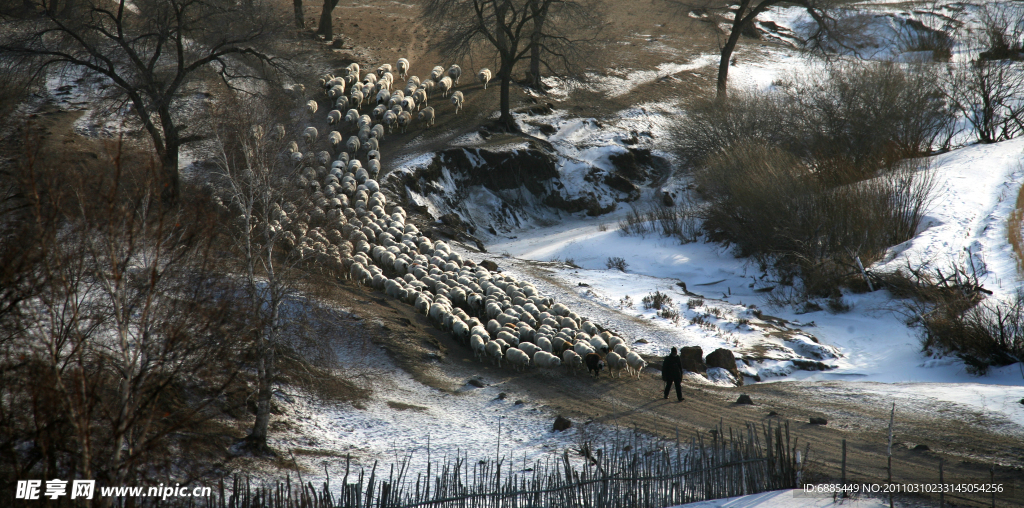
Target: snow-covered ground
[[783, 499]]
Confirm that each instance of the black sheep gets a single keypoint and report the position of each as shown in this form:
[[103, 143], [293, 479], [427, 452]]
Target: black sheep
[[594, 363]]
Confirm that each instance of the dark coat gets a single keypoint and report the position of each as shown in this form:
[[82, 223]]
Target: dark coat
[[672, 368]]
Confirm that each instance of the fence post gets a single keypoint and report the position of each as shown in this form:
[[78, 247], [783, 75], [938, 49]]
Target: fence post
[[892, 417], [942, 487], [842, 493]]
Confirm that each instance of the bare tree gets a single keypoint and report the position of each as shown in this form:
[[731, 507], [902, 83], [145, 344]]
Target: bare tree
[[300, 20], [562, 37], [115, 318], [152, 52], [741, 17], [511, 29], [326, 27], [257, 188]]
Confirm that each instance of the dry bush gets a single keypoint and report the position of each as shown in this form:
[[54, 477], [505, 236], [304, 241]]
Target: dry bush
[[1015, 230], [656, 300], [616, 263], [681, 221], [780, 211]]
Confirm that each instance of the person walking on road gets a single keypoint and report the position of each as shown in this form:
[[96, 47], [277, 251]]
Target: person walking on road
[[672, 372]]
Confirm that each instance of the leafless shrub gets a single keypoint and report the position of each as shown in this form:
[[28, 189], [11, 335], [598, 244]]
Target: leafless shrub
[[656, 300], [986, 93], [681, 221], [670, 314], [693, 303], [616, 263], [782, 212], [626, 302]]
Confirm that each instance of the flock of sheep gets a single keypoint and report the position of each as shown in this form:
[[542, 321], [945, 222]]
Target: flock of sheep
[[497, 317]]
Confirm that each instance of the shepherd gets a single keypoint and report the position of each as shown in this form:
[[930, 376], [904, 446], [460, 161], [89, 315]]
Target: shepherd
[[672, 372]]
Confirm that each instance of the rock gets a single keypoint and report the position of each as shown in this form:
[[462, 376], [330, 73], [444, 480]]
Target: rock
[[644, 341], [818, 421], [744, 399], [561, 424], [502, 395], [772, 413], [667, 198], [475, 382], [724, 359], [519, 403], [621, 184], [489, 265], [693, 360], [921, 448]]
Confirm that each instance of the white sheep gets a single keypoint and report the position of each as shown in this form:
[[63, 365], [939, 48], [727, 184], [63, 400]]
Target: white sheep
[[352, 116], [309, 136], [444, 85], [352, 145], [528, 348], [573, 362], [383, 97], [615, 363], [636, 364], [599, 345], [333, 117], [404, 119], [544, 344], [335, 139], [436, 73], [494, 352], [477, 343], [455, 72], [457, 101], [408, 104], [402, 67], [546, 360], [389, 120], [582, 348], [420, 96], [311, 107], [377, 132], [517, 358], [622, 349], [426, 117], [383, 68], [355, 98], [484, 76]]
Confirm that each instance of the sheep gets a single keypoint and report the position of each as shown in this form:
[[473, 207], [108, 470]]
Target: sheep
[[420, 96], [582, 348], [364, 121], [455, 72], [371, 145], [615, 363], [336, 91], [528, 348], [543, 343], [635, 363], [311, 107], [355, 98], [389, 120], [457, 101], [333, 117], [335, 139], [614, 341], [546, 360], [517, 358], [594, 363], [484, 76], [444, 85], [436, 73], [377, 132], [402, 67], [383, 96], [309, 136], [494, 352], [414, 81], [599, 345], [426, 117], [477, 343], [621, 349], [352, 116], [572, 361], [352, 145], [378, 112], [404, 119], [408, 104]]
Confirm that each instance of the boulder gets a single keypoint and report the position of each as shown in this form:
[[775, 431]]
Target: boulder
[[745, 399], [724, 359], [693, 360], [818, 421], [561, 424]]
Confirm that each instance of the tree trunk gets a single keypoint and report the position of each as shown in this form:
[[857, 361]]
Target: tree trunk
[[300, 22], [727, 49], [506, 82], [535, 41], [257, 440], [326, 27], [170, 182]]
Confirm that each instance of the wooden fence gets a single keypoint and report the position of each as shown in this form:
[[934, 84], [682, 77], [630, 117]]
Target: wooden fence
[[628, 471]]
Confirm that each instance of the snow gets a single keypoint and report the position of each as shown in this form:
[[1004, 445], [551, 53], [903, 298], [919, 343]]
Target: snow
[[784, 499]]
